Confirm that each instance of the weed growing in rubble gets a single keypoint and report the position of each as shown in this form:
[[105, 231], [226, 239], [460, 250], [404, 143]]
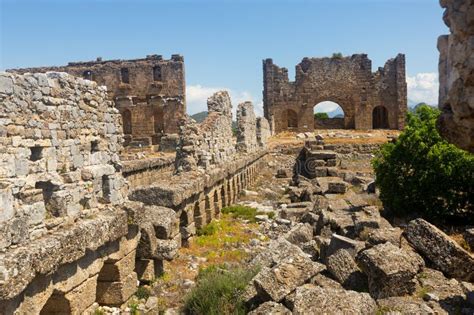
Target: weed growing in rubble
[[242, 212], [219, 291]]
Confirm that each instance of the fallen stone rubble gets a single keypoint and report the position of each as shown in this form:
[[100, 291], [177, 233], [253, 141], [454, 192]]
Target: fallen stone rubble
[[335, 253]]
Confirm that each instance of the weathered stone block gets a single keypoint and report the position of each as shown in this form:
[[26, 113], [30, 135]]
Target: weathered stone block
[[310, 299], [119, 270], [343, 267], [282, 279], [339, 187], [391, 270], [116, 293], [440, 249]]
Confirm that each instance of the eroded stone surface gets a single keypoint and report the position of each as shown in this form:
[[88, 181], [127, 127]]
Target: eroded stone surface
[[440, 249]]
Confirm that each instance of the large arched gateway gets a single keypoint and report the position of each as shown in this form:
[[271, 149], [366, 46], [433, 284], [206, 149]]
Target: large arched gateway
[[347, 81]]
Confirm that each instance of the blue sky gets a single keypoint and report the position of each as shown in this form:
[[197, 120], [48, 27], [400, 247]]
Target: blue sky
[[224, 42]]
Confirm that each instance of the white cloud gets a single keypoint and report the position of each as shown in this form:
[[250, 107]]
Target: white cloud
[[325, 107], [196, 98], [423, 87]]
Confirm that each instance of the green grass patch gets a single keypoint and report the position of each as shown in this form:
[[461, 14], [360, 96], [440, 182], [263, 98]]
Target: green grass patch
[[219, 291], [241, 212], [209, 229]]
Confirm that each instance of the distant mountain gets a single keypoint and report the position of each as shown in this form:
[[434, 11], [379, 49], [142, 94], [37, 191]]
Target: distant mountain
[[199, 117]]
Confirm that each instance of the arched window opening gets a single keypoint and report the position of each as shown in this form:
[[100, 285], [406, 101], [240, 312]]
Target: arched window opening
[[292, 119], [56, 304], [127, 122], [328, 115], [380, 118]]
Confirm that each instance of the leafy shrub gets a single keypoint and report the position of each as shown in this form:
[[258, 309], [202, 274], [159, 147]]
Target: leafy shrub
[[209, 229], [422, 173], [219, 291], [337, 55], [242, 212], [321, 116]]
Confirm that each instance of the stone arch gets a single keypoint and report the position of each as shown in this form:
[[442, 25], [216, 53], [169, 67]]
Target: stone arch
[[229, 192], [183, 218], [158, 119], [335, 115], [127, 122], [291, 119], [208, 208], [57, 304], [216, 202], [223, 197], [380, 117]]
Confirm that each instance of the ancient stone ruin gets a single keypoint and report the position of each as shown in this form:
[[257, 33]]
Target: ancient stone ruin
[[69, 237], [149, 93], [369, 100], [456, 78]]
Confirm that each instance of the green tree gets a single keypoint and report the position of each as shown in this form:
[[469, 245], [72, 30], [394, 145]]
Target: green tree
[[422, 173], [321, 115]]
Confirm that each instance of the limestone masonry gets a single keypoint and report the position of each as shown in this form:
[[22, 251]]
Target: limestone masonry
[[456, 77], [149, 92], [369, 100], [70, 239]]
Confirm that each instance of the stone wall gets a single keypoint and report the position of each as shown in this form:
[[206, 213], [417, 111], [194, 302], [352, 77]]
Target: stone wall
[[65, 241], [456, 75], [246, 128], [149, 92], [369, 100], [60, 141], [210, 142]]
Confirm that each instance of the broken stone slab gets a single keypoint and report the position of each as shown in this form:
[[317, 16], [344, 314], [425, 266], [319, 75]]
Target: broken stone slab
[[353, 247], [300, 233], [270, 308], [311, 299], [325, 282], [448, 292], [311, 248], [443, 252], [339, 187], [276, 251], [383, 235], [282, 279], [391, 270], [343, 267]]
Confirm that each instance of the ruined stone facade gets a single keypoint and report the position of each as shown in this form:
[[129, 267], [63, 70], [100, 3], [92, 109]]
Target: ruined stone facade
[[63, 233], [211, 142], [456, 74], [70, 239], [369, 100], [149, 93]]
